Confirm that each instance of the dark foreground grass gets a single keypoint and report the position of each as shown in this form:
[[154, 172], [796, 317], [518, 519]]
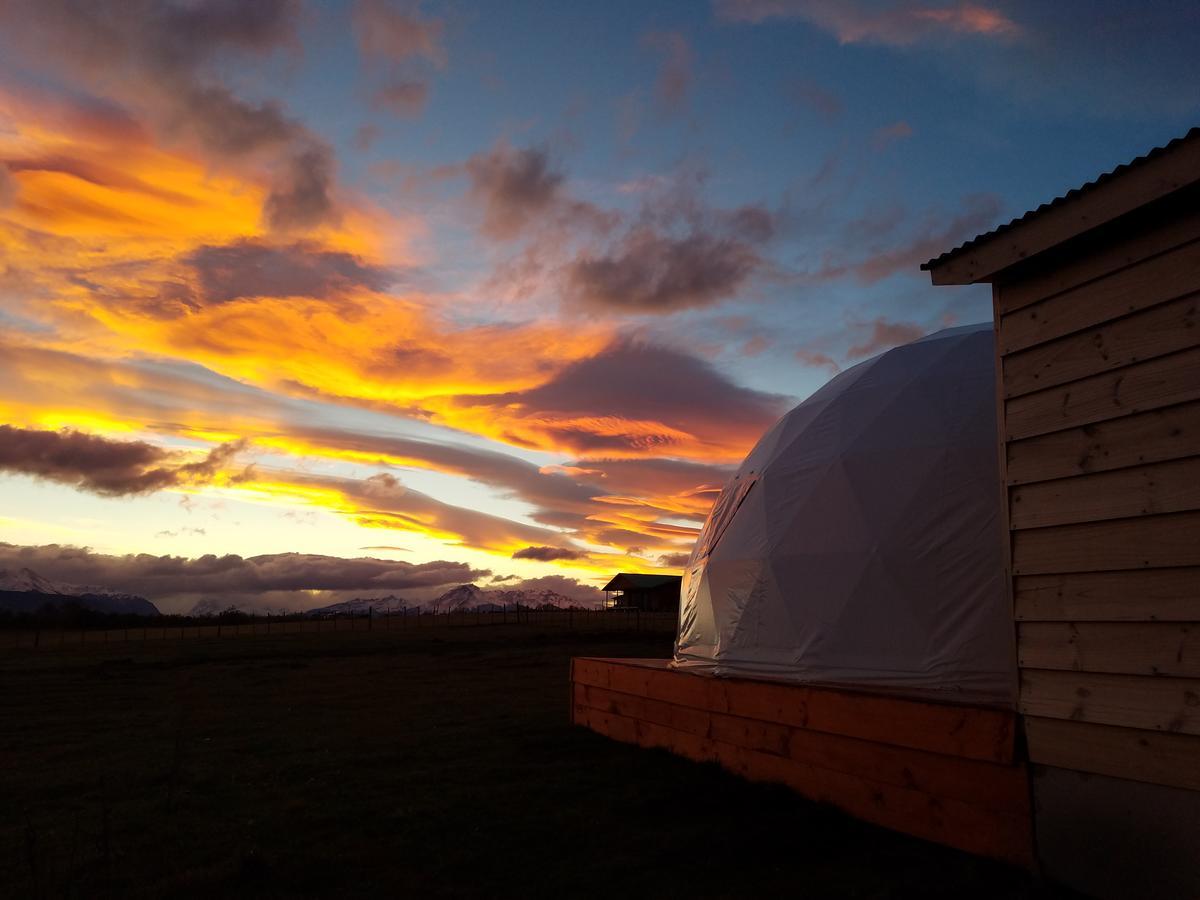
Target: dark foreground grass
[[403, 765]]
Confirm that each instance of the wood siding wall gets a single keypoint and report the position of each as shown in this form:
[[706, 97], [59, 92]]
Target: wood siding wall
[[1100, 393]]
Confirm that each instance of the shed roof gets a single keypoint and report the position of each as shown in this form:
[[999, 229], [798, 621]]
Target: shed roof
[[626, 581], [1152, 176]]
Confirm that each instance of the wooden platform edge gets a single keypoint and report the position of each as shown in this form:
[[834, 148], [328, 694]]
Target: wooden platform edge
[[980, 806], [974, 732]]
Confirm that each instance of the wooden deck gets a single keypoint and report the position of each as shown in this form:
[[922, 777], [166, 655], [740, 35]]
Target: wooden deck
[[942, 772]]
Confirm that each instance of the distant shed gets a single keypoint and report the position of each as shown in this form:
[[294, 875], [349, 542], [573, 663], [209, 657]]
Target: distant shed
[[649, 593], [1095, 301]]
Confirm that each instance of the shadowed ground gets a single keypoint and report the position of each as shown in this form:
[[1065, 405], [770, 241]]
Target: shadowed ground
[[422, 764]]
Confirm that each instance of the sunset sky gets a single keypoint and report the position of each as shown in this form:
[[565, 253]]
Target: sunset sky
[[491, 292]]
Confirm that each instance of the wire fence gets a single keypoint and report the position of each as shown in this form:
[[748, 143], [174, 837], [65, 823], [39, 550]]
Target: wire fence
[[626, 620]]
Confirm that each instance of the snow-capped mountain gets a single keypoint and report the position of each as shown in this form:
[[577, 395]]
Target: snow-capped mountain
[[23, 580], [25, 591], [360, 606], [470, 596]]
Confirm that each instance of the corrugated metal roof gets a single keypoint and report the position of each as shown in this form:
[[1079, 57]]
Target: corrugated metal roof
[[1192, 135]]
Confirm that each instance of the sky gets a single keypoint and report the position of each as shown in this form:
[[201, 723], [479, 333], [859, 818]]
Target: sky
[[301, 301]]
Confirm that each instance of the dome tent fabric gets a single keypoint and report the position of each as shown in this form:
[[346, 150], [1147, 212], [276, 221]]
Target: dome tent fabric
[[861, 543]]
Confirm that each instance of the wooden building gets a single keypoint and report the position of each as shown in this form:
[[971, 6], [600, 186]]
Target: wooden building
[[1098, 352], [649, 593], [1095, 299]]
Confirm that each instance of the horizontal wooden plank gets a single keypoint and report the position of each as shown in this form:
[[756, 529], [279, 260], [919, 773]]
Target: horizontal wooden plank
[[1167, 541], [1131, 701], [1137, 491], [1151, 282], [1130, 648], [990, 784], [974, 828], [1157, 331], [1144, 595], [1151, 756], [1159, 435], [1134, 389], [951, 729], [1168, 231]]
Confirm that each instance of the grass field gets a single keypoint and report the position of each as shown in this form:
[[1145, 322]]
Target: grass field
[[434, 764]]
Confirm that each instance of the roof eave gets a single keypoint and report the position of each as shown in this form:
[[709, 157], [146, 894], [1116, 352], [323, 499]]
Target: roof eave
[[1079, 212]]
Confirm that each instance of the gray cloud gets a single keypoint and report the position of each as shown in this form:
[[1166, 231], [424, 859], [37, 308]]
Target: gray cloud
[[675, 74], [654, 273], [397, 32], [251, 268], [883, 334], [233, 576], [165, 59], [546, 554], [641, 383], [8, 187], [401, 98], [102, 466], [863, 21], [514, 186]]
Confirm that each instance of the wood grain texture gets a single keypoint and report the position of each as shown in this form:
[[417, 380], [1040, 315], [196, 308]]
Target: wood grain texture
[[1149, 385], [1137, 491], [996, 785], [1153, 757], [1130, 648], [1145, 595], [951, 729], [1159, 435], [1170, 230], [1130, 701], [1145, 284], [1157, 331], [1169, 541]]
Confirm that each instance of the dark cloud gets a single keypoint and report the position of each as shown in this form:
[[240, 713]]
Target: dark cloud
[[548, 492], [383, 501], [8, 187], [884, 334], [649, 477], [932, 234], [1093, 52], [102, 466], [514, 186], [654, 273], [818, 359], [232, 576], [251, 268], [401, 98], [824, 102], [889, 134], [869, 22], [166, 58], [546, 554], [675, 74], [674, 560], [638, 396], [397, 32]]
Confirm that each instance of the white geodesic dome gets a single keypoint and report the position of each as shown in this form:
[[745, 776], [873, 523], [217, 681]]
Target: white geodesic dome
[[860, 543]]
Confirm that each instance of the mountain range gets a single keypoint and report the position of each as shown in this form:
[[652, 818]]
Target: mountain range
[[25, 591], [457, 599]]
